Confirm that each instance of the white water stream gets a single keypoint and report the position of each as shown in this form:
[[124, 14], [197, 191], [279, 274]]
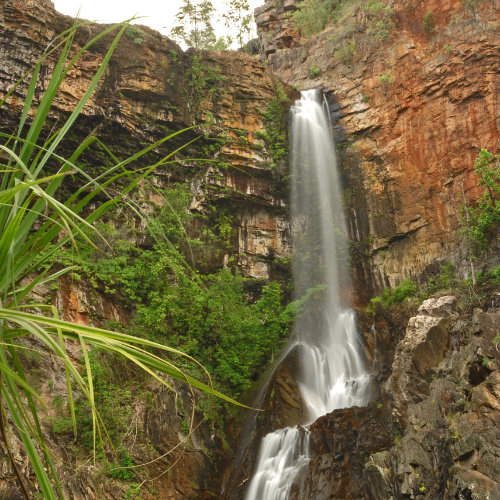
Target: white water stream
[[333, 370]]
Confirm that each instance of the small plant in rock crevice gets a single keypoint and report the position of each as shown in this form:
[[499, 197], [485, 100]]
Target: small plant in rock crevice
[[135, 34], [404, 290], [429, 23], [314, 71], [346, 53]]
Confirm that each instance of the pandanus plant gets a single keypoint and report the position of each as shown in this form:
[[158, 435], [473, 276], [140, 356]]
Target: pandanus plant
[[34, 225]]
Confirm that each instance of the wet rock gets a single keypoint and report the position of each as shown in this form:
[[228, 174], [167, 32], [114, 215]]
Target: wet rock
[[341, 443]]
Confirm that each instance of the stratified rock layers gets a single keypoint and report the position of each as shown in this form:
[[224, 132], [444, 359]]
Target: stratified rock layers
[[407, 147]]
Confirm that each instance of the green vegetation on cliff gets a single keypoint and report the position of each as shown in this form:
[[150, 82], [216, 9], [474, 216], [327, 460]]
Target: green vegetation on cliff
[[36, 227]]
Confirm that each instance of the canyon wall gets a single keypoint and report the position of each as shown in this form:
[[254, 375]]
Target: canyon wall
[[410, 114], [150, 90]]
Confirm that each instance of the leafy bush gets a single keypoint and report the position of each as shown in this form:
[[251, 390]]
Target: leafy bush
[[314, 71], [386, 79], [380, 22], [429, 22], [406, 289], [446, 279], [485, 216], [276, 121], [136, 34], [346, 53], [117, 469], [312, 16]]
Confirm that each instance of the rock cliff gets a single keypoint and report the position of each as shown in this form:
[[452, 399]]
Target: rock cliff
[[153, 89], [410, 114]]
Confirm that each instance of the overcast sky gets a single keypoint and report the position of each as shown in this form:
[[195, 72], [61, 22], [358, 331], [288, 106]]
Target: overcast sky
[[159, 13]]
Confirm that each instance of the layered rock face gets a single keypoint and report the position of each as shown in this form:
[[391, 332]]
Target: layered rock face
[[409, 114], [148, 93], [145, 95]]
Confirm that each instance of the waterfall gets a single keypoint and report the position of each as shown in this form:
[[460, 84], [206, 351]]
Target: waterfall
[[333, 368]]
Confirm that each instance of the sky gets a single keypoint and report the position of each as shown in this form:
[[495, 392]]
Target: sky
[[160, 14]]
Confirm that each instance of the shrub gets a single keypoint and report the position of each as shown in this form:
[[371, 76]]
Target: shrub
[[117, 469], [386, 79], [380, 22], [346, 53], [136, 34], [314, 71], [312, 16], [403, 291], [445, 280], [429, 22], [485, 216]]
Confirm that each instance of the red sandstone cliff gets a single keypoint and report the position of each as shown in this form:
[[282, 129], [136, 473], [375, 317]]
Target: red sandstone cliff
[[407, 148]]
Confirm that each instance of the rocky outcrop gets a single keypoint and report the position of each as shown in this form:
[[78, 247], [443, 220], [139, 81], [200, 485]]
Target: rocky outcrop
[[449, 446], [424, 346], [341, 443]]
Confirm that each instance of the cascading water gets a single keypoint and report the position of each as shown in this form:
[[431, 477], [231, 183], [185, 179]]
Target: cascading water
[[333, 369]]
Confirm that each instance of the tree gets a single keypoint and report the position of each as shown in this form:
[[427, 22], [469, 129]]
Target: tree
[[483, 219], [195, 25], [239, 17], [472, 5]]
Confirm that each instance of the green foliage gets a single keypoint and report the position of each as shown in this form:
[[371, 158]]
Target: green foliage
[[275, 120], [495, 275], [312, 16], [380, 22], [206, 317], [117, 470], [136, 34], [132, 492], [314, 71], [346, 53], [404, 290], [366, 98], [485, 216], [194, 24], [112, 397], [429, 22], [238, 16], [212, 320], [407, 288], [27, 250], [222, 43], [446, 279], [202, 82], [448, 49], [386, 79]]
